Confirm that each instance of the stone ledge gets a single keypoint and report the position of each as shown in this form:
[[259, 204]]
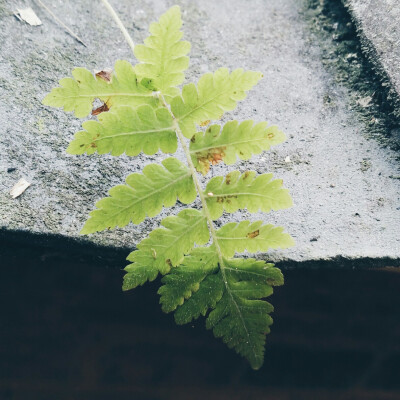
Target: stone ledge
[[343, 185]]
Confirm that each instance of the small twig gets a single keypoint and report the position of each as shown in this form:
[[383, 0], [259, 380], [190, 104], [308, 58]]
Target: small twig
[[61, 23], [120, 24]]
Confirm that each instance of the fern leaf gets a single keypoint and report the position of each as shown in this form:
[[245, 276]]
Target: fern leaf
[[144, 111], [163, 55], [127, 130], [251, 236], [184, 280], [240, 318], [165, 247], [78, 93], [144, 194], [214, 95], [233, 141], [247, 190]]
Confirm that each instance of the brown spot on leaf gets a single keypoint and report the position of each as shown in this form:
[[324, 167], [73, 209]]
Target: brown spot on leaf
[[204, 165], [94, 145], [254, 234], [99, 110], [104, 74], [213, 156], [271, 135], [222, 199], [205, 123], [228, 179], [193, 139], [246, 175], [168, 261]]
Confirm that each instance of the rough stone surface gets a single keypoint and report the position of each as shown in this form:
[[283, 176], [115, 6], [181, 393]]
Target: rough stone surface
[[378, 24], [344, 186]]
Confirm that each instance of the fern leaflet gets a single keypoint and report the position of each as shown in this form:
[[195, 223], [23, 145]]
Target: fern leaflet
[[165, 247], [239, 191], [127, 130], [240, 318], [163, 54], [144, 194], [251, 236], [233, 141], [214, 95], [186, 278], [121, 88]]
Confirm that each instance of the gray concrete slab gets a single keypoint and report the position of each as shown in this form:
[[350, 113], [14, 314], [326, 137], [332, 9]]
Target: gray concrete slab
[[377, 22], [344, 187]]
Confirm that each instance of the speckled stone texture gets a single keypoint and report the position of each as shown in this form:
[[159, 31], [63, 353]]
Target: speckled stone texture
[[344, 186], [378, 23]]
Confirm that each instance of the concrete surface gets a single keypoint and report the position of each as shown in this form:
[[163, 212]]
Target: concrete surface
[[345, 187], [377, 22]]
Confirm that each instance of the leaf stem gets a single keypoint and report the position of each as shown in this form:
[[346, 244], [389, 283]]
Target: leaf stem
[[207, 214], [196, 181], [193, 171], [58, 20], [120, 24]]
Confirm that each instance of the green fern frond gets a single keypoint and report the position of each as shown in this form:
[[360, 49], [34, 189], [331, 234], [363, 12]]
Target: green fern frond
[[145, 111], [240, 318], [163, 55], [233, 141], [251, 236], [127, 130], [248, 190], [214, 95], [144, 194], [165, 247], [121, 88]]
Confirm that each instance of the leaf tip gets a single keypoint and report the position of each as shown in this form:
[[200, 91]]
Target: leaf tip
[[257, 366], [84, 231], [87, 229], [46, 101]]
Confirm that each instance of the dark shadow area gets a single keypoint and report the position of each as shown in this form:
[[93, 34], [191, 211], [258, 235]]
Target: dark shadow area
[[344, 54], [67, 331]]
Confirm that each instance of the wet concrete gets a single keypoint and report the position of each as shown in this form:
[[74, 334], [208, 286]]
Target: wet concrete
[[345, 186]]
